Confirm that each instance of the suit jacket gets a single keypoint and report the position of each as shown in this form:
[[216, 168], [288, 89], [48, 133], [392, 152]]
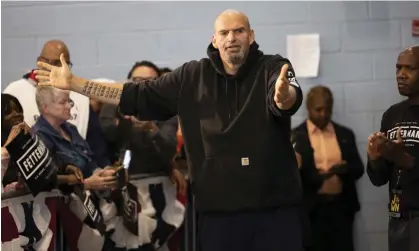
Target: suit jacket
[[310, 176]]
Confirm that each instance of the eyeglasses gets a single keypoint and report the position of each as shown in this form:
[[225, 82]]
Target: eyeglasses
[[55, 62], [139, 79]]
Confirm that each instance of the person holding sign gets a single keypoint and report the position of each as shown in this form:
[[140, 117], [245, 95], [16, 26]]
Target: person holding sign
[[393, 154], [13, 125], [232, 107], [63, 139], [33, 216]]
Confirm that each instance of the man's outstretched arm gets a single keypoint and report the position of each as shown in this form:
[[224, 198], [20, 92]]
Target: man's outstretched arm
[[109, 93], [147, 100]]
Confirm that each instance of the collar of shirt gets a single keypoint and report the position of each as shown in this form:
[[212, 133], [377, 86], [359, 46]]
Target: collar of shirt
[[312, 128]]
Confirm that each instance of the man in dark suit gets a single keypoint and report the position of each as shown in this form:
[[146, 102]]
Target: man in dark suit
[[329, 165]]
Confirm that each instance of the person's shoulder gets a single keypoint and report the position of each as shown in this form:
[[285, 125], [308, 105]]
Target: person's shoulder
[[400, 105], [342, 128], [299, 128], [396, 108], [15, 87], [191, 65], [274, 59]]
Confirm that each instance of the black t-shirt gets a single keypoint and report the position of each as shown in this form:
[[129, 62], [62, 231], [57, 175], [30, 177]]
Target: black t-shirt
[[403, 115]]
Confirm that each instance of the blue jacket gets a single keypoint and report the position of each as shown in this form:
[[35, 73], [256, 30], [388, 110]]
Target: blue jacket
[[77, 152]]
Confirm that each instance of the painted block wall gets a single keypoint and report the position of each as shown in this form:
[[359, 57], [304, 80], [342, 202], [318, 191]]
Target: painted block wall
[[360, 42]]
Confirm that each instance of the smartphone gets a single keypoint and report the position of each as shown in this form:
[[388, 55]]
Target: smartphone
[[127, 159]]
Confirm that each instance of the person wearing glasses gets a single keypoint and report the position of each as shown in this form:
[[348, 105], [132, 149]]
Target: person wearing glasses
[[143, 70], [24, 88], [81, 114]]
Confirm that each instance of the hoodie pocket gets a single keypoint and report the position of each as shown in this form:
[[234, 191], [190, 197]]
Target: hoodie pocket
[[228, 181]]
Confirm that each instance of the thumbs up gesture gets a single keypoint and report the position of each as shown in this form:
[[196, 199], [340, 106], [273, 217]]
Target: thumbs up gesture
[[282, 86], [284, 98]]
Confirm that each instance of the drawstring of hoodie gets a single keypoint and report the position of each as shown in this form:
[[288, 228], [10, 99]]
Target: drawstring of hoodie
[[236, 100]]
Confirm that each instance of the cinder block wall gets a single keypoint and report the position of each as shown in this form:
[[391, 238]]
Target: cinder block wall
[[360, 42]]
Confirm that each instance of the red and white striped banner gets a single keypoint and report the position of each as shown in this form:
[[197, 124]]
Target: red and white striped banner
[[29, 223]]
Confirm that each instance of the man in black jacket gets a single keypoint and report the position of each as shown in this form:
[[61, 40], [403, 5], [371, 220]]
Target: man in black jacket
[[330, 166], [232, 107], [393, 156]]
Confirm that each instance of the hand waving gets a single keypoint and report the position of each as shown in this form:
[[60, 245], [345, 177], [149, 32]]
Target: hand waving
[[282, 86], [59, 77]]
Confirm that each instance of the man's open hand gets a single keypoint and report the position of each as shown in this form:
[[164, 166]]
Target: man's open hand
[[59, 77]]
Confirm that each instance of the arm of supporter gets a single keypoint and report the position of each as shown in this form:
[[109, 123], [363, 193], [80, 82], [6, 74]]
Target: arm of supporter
[[164, 139], [311, 178], [147, 100], [291, 106], [354, 168], [379, 170]]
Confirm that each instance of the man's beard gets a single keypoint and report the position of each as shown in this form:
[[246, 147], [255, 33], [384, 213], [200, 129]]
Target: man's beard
[[236, 58]]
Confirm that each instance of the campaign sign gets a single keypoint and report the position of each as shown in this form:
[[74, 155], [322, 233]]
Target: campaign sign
[[130, 207], [34, 162], [94, 218]]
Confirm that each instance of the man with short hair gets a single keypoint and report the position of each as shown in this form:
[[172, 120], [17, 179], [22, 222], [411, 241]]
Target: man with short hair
[[393, 156], [330, 165], [232, 106]]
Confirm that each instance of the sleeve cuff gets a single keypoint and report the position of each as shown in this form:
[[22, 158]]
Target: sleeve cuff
[[294, 108]]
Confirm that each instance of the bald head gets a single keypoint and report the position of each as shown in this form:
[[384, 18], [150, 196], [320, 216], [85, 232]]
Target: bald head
[[320, 105], [319, 92], [52, 50], [407, 72], [232, 37], [231, 16], [412, 51]]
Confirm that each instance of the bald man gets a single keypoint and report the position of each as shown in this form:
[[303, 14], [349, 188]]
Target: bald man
[[232, 107], [82, 115], [393, 155], [24, 89]]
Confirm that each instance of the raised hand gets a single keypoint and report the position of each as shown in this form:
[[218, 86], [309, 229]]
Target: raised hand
[[59, 77], [282, 84], [372, 145]]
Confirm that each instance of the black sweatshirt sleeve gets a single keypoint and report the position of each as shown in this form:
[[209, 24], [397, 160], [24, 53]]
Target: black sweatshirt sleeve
[[155, 99], [379, 170], [274, 69]]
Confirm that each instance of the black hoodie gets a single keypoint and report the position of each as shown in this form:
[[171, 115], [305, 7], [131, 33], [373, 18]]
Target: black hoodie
[[236, 139]]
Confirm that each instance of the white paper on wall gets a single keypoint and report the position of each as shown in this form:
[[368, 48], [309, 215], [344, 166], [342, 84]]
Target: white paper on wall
[[303, 50]]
